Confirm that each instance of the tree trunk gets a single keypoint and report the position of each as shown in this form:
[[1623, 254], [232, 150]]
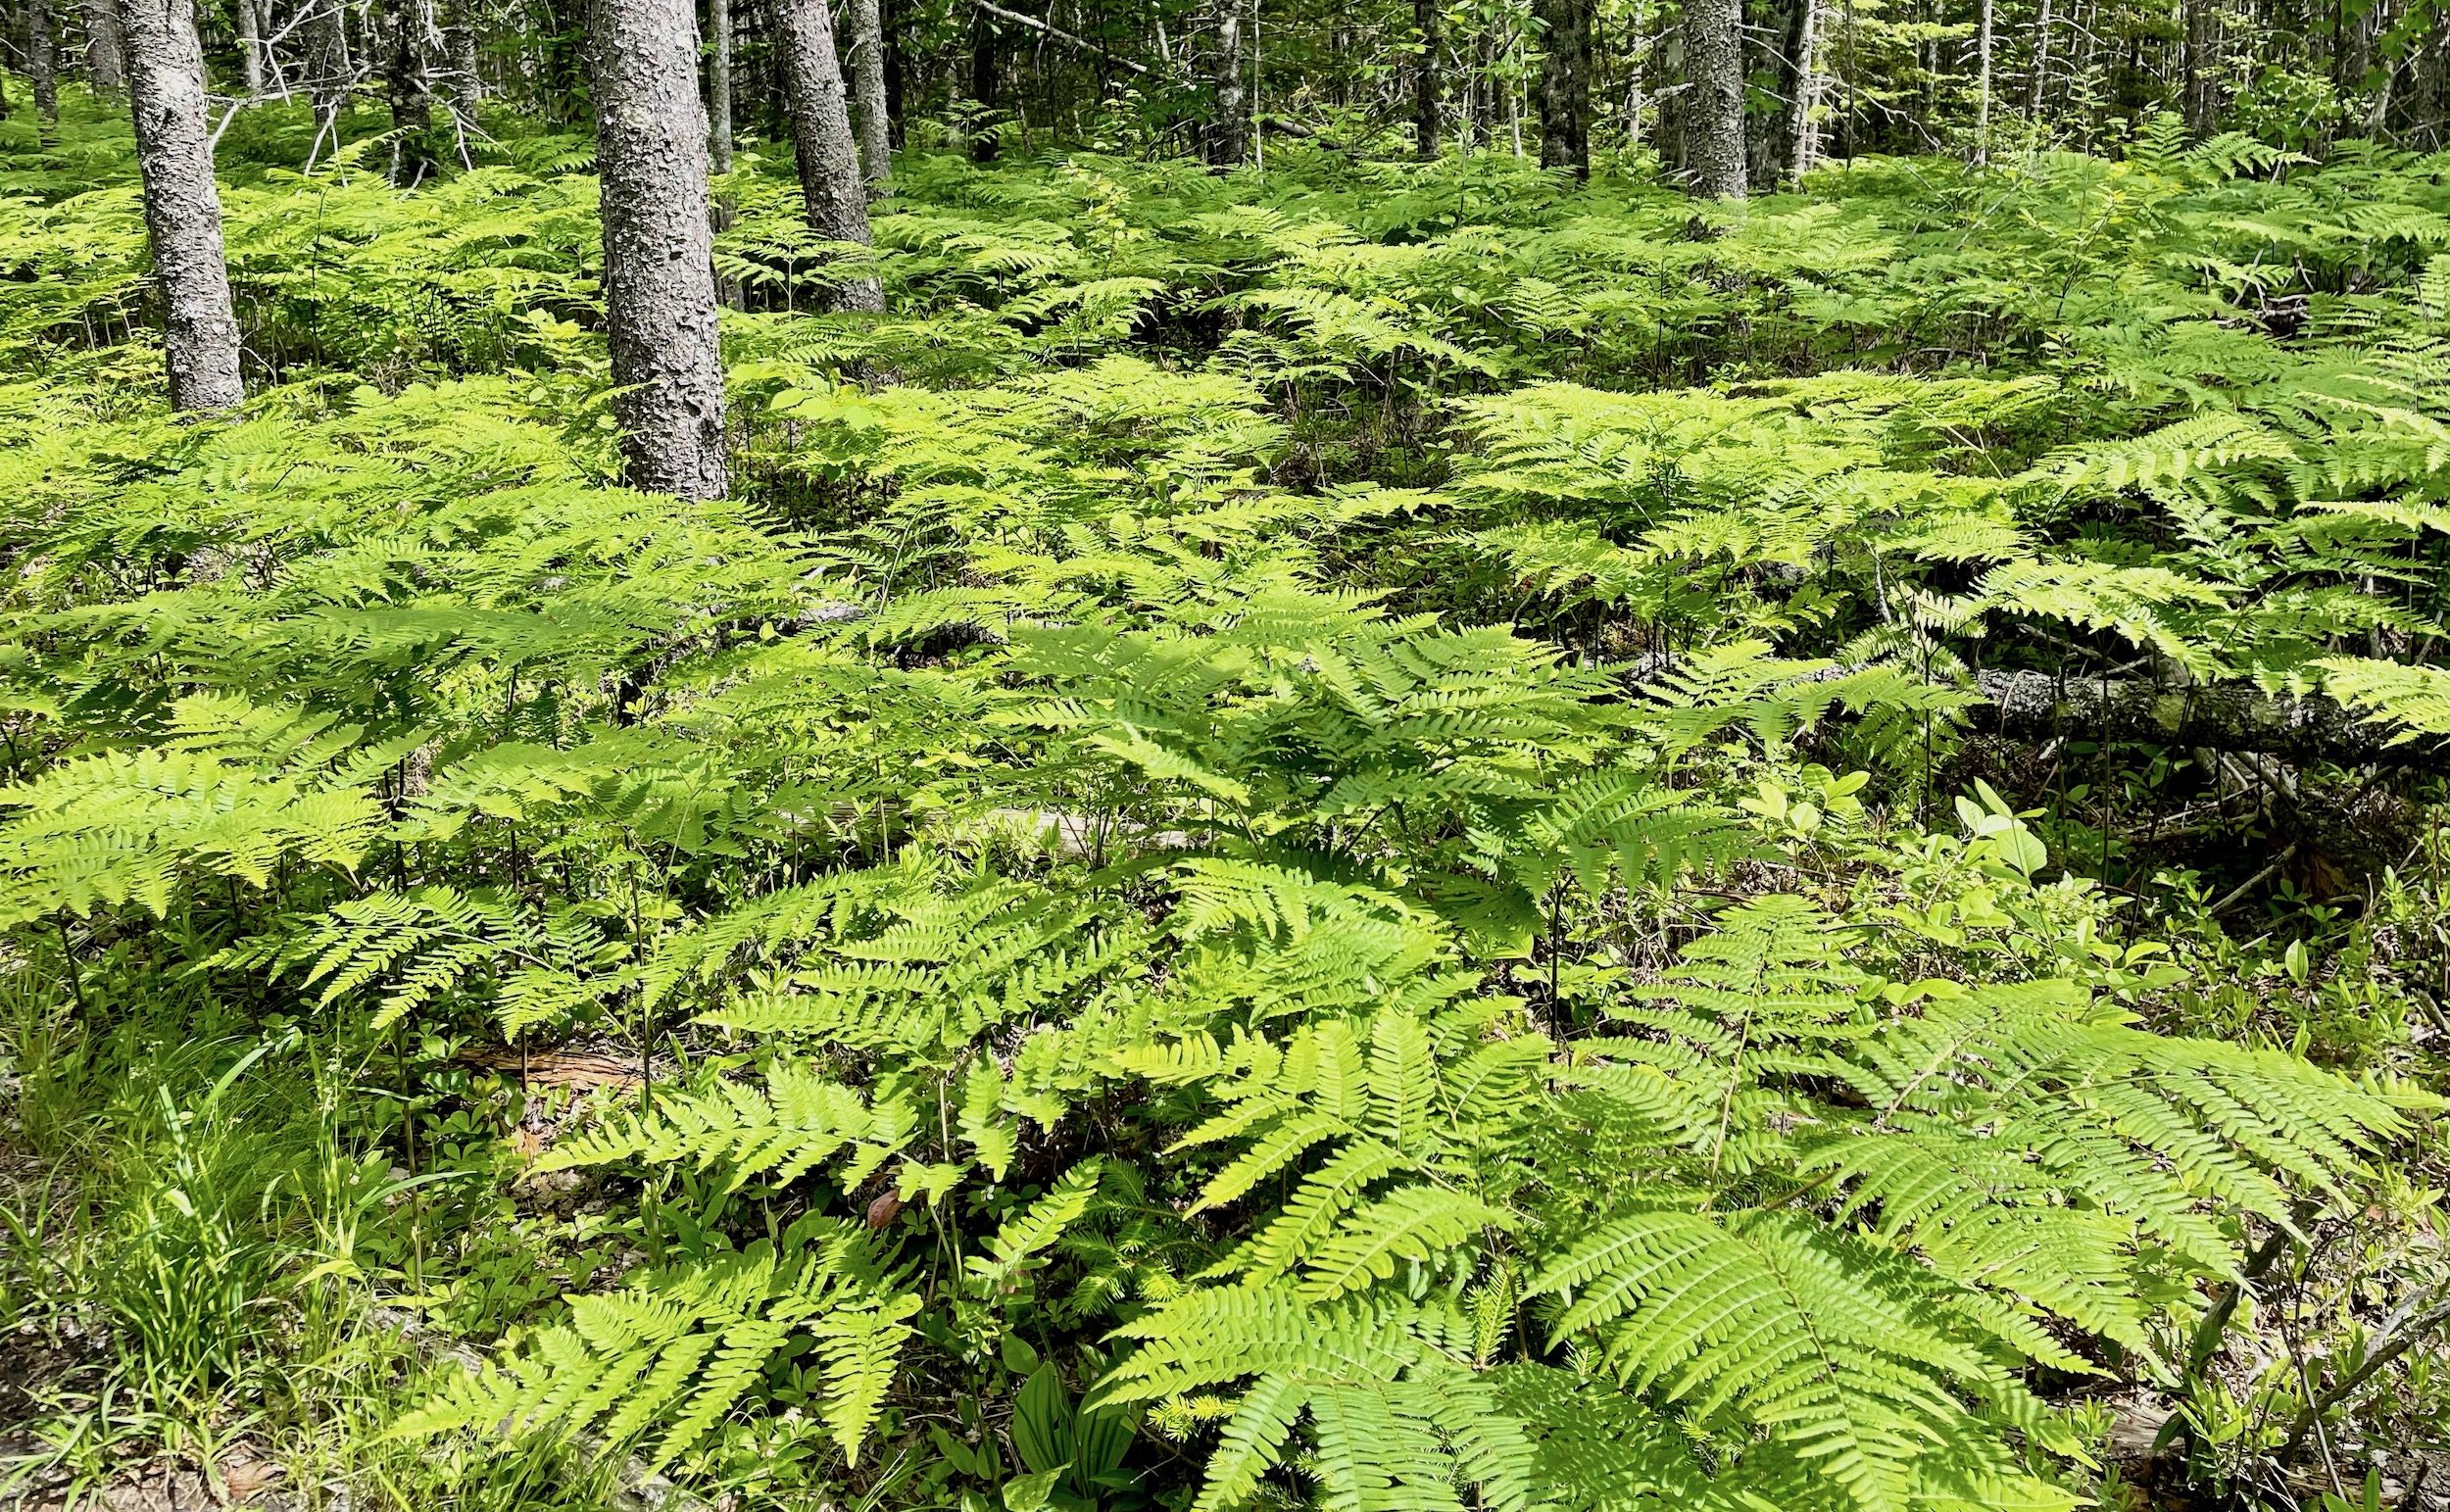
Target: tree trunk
[[250, 45], [2202, 84], [1565, 86], [719, 144], [895, 70], [182, 205], [1762, 42], [42, 65], [2042, 63], [1781, 135], [1804, 134], [2432, 94], [820, 138], [1228, 141], [1425, 80], [329, 72], [1714, 114], [411, 95], [867, 65], [104, 69], [1981, 97], [1480, 87], [1633, 91], [984, 138], [467, 86], [659, 247], [1672, 101], [718, 88], [566, 25]]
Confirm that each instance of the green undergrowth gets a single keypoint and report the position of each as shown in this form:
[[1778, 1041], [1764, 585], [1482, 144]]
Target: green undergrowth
[[1320, 838]]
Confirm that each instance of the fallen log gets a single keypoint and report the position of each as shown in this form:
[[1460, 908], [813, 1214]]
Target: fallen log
[[2217, 716]]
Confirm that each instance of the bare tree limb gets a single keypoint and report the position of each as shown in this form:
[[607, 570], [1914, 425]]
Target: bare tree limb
[[1059, 34]]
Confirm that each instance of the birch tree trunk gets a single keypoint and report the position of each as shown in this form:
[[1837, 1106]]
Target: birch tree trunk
[[1565, 86], [250, 45], [1714, 114], [867, 65], [182, 205], [467, 86], [42, 65], [1226, 141], [820, 138], [1805, 137], [719, 87], [1425, 80], [104, 69], [658, 246], [2042, 63]]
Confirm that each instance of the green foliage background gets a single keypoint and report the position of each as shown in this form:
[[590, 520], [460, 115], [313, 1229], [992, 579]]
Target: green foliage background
[[1300, 844]]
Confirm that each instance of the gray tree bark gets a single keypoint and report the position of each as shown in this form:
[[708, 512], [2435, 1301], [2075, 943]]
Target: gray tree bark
[[1425, 80], [2042, 63], [1803, 135], [465, 87], [1565, 86], [1714, 113], [104, 68], [719, 16], [820, 138], [250, 45], [329, 72], [182, 205], [867, 65], [42, 64], [658, 246], [410, 92], [2202, 87], [2217, 716], [1228, 140]]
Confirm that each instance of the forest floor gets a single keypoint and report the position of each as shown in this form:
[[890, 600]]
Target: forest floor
[[1332, 644]]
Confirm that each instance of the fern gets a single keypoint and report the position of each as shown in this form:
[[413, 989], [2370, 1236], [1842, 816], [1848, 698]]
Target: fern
[[797, 1122], [687, 1350]]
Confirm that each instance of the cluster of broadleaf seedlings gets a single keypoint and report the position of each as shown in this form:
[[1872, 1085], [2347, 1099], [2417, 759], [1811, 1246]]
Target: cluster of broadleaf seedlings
[[1297, 844]]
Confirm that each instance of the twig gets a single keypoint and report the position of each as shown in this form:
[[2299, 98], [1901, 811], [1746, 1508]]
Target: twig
[[2253, 882], [2206, 1336], [2395, 1346]]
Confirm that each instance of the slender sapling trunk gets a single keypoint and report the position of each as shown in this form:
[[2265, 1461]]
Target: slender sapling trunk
[[867, 65]]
